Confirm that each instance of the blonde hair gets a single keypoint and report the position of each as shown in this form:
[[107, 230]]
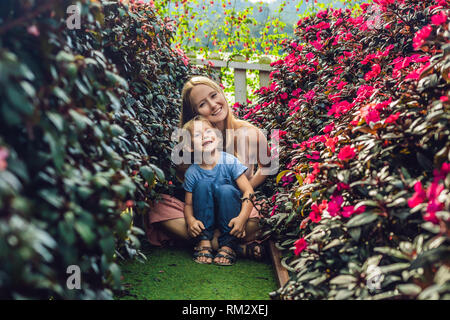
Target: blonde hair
[[190, 124], [188, 111]]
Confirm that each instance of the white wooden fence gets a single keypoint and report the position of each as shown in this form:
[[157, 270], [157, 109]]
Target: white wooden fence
[[240, 67]]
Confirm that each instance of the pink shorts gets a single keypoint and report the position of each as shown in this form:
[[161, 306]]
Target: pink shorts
[[166, 209]]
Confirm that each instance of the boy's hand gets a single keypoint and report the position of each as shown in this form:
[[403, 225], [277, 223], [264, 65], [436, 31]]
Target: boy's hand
[[238, 227], [195, 228]]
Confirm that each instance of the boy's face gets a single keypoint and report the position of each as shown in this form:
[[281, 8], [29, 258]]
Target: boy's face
[[204, 138]]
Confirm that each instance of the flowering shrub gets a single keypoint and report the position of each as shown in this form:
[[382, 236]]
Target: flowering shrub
[[366, 110], [86, 118]]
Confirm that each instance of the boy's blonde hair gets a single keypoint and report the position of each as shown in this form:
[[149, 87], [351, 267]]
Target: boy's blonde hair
[[190, 127]]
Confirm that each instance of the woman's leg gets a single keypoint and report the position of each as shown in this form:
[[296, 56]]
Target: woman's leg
[[176, 227]]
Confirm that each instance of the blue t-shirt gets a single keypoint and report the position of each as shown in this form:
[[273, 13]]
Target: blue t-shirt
[[226, 171]]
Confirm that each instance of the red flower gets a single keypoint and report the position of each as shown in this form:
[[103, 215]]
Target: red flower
[[329, 128], [3, 155], [348, 211], [331, 143], [439, 18], [315, 155], [372, 116], [421, 36], [334, 206], [33, 30], [346, 153], [418, 197], [316, 211], [373, 73], [392, 118], [129, 203], [342, 186], [273, 210], [309, 95], [300, 245]]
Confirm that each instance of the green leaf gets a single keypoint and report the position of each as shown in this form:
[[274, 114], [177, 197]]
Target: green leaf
[[392, 252], [409, 289], [362, 219], [281, 175], [148, 174], [159, 172], [85, 232], [343, 280]]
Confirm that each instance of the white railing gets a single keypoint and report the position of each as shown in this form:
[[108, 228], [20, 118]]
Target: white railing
[[240, 67]]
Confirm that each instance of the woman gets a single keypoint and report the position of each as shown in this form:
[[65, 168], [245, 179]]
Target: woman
[[203, 96]]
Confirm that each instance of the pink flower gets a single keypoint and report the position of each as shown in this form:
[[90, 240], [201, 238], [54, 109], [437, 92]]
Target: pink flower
[[328, 128], [442, 173], [33, 30], [392, 118], [300, 245], [273, 210], [331, 143], [348, 211], [316, 44], [373, 73], [431, 217], [340, 108], [421, 36], [296, 92], [418, 197], [346, 153], [315, 155], [364, 92], [334, 206], [284, 96], [309, 95], [342, 186], [434, 190], [3, 155], [316, 211], [309, 56], [372, 116], [443, 98], [439, 18], [341, 85]]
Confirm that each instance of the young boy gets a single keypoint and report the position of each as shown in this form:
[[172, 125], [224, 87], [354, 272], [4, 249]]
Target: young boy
[[213, 188]]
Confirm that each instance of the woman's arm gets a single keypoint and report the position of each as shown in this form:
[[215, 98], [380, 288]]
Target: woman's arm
[[262, 156]]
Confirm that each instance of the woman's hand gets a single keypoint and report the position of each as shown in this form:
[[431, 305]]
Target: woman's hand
[[195, 227], [238, 227]]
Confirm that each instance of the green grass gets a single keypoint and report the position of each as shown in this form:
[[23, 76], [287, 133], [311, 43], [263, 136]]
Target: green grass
[[171, 274]]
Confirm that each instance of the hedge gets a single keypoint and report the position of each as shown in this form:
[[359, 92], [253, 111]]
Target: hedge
[[86, 117]]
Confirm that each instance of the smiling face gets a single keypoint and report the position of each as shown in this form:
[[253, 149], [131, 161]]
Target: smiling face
[[204, 138], [210, 103]]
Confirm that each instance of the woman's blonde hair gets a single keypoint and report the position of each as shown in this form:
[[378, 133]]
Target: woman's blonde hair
[[188, 111]]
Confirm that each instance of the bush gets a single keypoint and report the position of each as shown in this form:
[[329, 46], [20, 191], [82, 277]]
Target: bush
[[361, 205], [85, 127]]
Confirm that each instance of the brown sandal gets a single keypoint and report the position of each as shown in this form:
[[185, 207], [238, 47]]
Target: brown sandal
[[230, 255], [207, 254]]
